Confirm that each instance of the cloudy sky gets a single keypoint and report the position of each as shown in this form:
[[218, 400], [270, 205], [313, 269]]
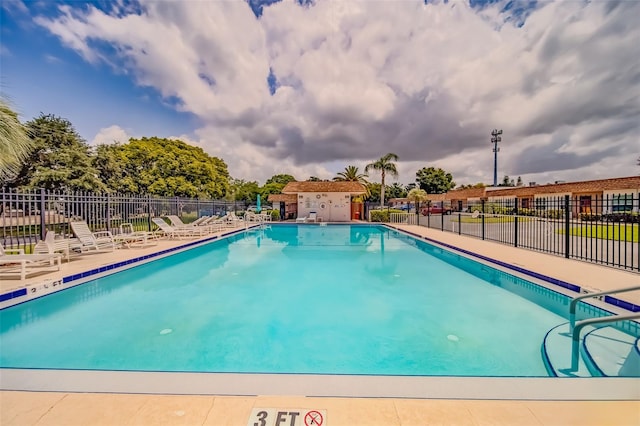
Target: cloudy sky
[[309, 87]]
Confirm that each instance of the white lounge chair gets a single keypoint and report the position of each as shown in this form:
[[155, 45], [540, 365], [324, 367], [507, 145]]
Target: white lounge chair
[[173, 232], [301, 219], [129, 237], [313, 217], [52, 245], [91, 241], [27, 262]]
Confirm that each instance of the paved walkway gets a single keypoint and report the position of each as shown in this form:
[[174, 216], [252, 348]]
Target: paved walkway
[[59, 408]]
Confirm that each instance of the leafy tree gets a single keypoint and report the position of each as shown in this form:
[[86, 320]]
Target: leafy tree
[[166, 167], [396, 191], [384, 165], [506, 181], [434, 181], [519, 181], [274, 185], [373, 192], [410, 186], [108, 162], [241, 190], [314, 179], [280, 179], [417, 196], [60, 158], [15, 145], [475, 185]]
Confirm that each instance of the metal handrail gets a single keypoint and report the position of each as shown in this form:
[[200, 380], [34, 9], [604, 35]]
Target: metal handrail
[[574, 302], [575, 336]]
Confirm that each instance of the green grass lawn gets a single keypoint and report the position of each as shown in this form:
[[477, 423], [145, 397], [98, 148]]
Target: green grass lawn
[[488, 219], [613, 231]]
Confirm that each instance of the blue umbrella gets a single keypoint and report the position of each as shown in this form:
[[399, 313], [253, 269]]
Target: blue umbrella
[[258, 209]]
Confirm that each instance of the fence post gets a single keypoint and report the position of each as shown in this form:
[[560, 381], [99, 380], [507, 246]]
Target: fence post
[[482, 216], [459, 223], [442, 216], [515, 222], [567, 230], [43, 222], [108, 213], [148, 213]]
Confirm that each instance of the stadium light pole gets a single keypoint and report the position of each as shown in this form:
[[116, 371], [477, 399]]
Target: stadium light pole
[[495, 138]]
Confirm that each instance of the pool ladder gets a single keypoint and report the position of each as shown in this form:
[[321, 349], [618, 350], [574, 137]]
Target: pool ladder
[[575, 328]]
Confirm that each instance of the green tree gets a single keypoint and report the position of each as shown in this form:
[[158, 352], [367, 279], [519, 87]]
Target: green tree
[[396, 190], [274, 185], [384, 165], [519, 181], [417, 196], [241, 190], [475, 185], [15, 145], [167, 167], [506, 181], [109, 162], [434, 181], [373, 192], [314, 179], [60, 159], [280, 179]]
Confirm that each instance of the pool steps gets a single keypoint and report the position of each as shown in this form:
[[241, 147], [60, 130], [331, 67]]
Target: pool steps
[[611, 352], [604, 351]]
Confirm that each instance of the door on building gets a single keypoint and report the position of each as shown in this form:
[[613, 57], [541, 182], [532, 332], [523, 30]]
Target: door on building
[[283, 210], [585, 204]]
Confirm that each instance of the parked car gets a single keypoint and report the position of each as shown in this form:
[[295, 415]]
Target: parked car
[[436, 210]]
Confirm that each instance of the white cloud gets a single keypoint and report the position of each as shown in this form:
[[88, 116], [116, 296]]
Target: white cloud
[[109, 135], [359, 79]]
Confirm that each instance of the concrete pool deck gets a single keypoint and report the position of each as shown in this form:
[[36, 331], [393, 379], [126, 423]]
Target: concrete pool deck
[[69, 408]]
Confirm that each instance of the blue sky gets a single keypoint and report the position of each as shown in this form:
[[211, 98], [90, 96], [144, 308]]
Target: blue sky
[[311, 87]]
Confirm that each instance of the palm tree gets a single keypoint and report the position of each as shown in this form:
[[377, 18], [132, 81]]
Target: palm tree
[[14, 142], [384, 165], [418, 196], [351, 174]]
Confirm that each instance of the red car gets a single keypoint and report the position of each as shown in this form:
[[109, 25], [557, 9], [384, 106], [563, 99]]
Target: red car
[[436, 210]]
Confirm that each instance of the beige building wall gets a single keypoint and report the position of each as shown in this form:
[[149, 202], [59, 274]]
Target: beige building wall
[[329, 206]]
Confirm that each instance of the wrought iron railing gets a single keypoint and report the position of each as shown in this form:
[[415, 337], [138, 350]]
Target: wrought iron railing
[[25, 216]]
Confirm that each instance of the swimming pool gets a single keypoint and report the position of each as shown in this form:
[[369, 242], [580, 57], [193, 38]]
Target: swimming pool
[[344, 299]]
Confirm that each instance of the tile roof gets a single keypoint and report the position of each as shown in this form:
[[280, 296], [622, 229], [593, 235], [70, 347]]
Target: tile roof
[[632, 182], [287, 198], [350, 187]]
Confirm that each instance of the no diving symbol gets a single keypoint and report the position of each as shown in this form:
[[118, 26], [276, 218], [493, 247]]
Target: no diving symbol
[[313, 418]]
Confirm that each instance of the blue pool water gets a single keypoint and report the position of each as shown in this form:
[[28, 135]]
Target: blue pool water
[[343, 299]]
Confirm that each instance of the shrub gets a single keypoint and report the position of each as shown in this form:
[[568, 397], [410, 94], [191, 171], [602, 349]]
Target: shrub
[[589, 217], [382, 215], [628, 217], [275, 214]]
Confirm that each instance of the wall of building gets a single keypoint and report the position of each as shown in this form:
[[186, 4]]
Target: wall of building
[[329, 206]]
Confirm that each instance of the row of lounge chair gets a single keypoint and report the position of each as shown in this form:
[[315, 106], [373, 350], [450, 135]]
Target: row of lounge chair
[[49, 252]]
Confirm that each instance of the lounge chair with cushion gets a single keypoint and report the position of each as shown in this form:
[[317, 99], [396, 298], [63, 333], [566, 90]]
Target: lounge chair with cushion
[[91, 241], [313, 217], [27, 262]]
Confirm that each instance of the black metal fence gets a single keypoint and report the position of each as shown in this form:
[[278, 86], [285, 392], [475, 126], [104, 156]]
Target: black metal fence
[[25, 216], [592, 228]]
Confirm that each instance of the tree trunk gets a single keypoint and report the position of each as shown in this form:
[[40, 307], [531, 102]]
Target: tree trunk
[[382, 192]]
